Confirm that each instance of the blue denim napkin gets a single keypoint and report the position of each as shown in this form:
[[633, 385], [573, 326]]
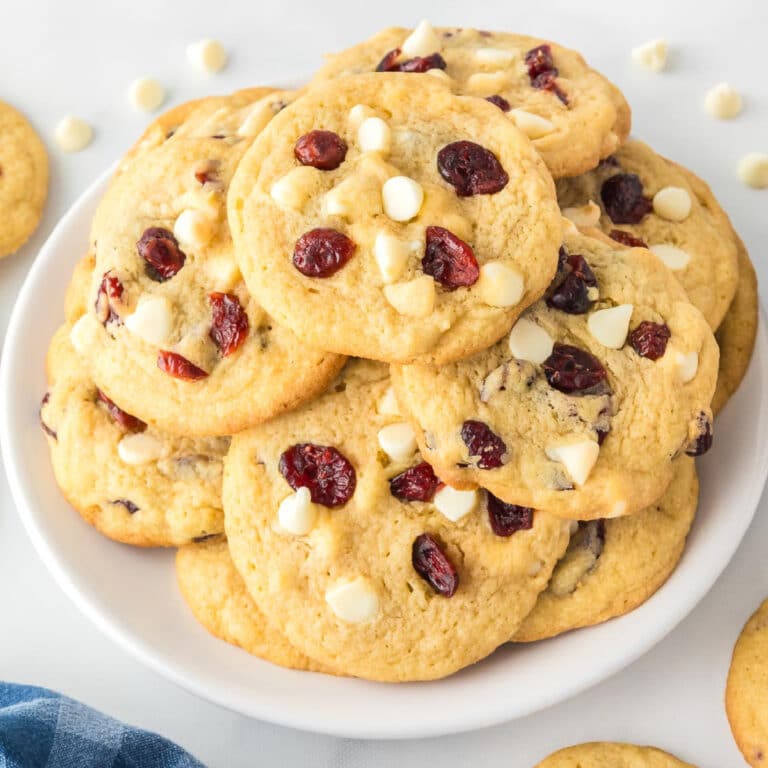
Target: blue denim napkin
[[43, 729]]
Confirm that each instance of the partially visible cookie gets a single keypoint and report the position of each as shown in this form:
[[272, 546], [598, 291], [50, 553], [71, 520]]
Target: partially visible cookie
[[641, 197], [605, 754], [613, 566], [23, 179], [217, 596], [746, 694], [573, 115]]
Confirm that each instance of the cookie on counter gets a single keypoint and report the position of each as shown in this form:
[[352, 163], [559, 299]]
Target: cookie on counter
[[603, 754]]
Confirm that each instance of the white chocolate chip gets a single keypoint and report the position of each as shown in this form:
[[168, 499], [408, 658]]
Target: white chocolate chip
[[387, 405], [584, 215], [73, 134], [358, 113], [723, 102], [753, 169], [528, 341], [593, 293], [687, 365], [139, 448], [374, 135], [354, 601], [402, 198], [487, 83], [79, 334], [569, 228], [422, 41], [416, 298], [342, 199], [398, 441], [610, 326], [146, 94], [675, 258], [295, 188], [440, 74], [651, 55], [577, 458], [535, 568], [152, 320], [672, 203], [500, 285], [256, 120], [498, 56], [533, 126], [207, 55], [296, 513], [194, 228], [454, 504], [391, 254]]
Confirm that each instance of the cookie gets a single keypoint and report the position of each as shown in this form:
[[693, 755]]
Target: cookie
[[736, 334], [217, 597], [613, 566], [643, 198], [171, 333], [746, 694], [564, 414], [131, 482], [23, 179], [600, 754], [335, 524], [384, 217], [573, 115], [76, 294]]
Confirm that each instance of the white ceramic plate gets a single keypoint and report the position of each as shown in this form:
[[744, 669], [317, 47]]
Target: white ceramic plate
[[131, 594]]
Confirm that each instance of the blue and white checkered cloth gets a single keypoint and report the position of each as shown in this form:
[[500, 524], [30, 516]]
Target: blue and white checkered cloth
[[43, 729]]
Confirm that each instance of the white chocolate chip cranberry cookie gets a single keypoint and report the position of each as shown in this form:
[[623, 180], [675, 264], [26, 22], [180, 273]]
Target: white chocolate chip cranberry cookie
[[601, 754], [354, 550], [171, 332], [580, 410], [384, 217], [572, 114], [613, 566], [642, 199]]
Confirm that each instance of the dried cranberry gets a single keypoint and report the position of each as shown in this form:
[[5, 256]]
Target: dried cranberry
[[539, 60], [129, 505], [627, 238], [608, 162], [417, 64], [500, 102], [449, 260], [484, 444], [417, 483], [471, 169], [601, 435], [547, 81], [110, 291], [179, 367], [573, 370], [160, 250], [650, 339], [433, 565], [330, 477], [622, 196], [571, 285], [230, 323], [125, 420], [206, 537], [325, 150], [703, 441], [388, 63], [322, 252], [48, 431], [506, 519]]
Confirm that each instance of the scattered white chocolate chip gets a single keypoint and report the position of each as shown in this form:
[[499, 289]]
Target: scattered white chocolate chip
[[294, 189], [500, 285], [296, 513], [753, 169], [610, 326], [73, 134], [391, 254], [415, 298], [487, 83], [533, 126], [139, 448], [358, 113], [398, 441], [723, 102], [454, 504], [687, 365], [674, 257], [387, 405], [422, 41], [672, 203], [207, 55], [529, 341], [402, 198], [79, 334], [354, 601], [152, 320], [146, 94], [194, 228], [651, 55], [374, 135], [498, 56], [577, 458], [584, 215]]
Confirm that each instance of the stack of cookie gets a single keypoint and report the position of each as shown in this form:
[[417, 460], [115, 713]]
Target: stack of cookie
[[410, 363]]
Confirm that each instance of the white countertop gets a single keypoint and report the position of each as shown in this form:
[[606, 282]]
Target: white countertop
[[76, 56]]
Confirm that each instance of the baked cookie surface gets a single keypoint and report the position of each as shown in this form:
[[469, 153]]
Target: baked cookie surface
[[382, 216], [603, 754], [573, 115]]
